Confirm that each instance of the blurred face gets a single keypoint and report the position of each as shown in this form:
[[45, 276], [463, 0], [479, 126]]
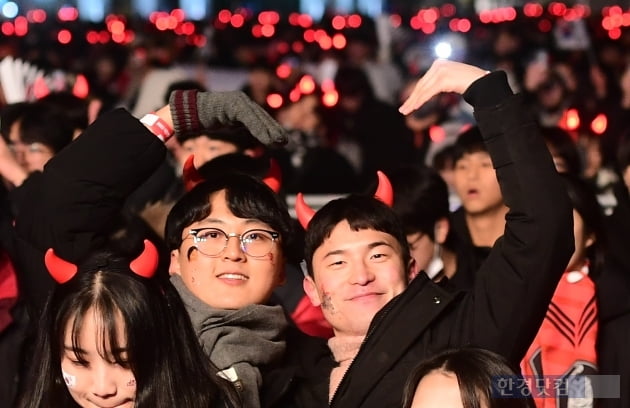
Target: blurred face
[[421, 247], [550, 98], [475, 182], [36, 156], [232, 279], [206, 149], [593, 157], [626, 177], [260, 79], [582, 240], [356, 274], [15, 142], [558, 161], [32, 157], [438, 389], [350, 103], [98, 382]]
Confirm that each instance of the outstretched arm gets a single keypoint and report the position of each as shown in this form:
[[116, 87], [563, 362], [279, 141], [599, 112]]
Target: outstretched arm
[[514, 285], [85, 185], [72, 204]]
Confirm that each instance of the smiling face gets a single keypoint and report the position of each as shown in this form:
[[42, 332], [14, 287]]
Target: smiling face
[[475, 182], [95, 380], [232, 279], [355, 274]]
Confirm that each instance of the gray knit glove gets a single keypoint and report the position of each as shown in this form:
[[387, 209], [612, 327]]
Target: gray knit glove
[[195, 111]]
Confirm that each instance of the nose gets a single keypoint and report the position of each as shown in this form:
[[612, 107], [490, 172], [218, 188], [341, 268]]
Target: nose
[[103, 385], [361, 275], [473, 172], [19, 154], [233, 250]]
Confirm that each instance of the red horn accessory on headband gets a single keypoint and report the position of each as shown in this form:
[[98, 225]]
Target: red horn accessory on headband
[[40, 88], [60, 269], [81, 88], [303, 211], [146, 263], [384, 191], [273, 179], [190, 174]]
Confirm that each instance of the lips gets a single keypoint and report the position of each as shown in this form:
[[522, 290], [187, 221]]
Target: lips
[[108, 405], [364, 296], [235, 276]]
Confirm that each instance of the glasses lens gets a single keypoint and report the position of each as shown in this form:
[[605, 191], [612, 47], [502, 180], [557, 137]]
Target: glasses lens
[[210, 241], [257, 242]]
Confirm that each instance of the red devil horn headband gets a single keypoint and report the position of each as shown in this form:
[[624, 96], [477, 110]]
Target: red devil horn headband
[[191, 175], [60, 269], [144, 265], [384, 193], [273, 179]]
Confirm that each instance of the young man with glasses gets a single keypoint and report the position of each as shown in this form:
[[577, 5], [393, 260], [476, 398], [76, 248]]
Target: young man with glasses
[[227, 238]]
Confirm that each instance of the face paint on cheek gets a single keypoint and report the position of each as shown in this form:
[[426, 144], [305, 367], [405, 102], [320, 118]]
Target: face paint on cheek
[[131, 383], [327, 302], [271, 258], [193, 279], [69, 379]]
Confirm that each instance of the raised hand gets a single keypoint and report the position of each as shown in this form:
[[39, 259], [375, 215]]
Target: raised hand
[[442, 76], [194, 111]]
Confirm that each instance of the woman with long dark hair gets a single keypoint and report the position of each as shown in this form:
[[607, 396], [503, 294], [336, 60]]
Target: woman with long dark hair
[[466, 378], [114, 335]]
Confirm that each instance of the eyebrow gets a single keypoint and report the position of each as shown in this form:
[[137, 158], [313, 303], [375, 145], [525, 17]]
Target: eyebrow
[[117, 350], [371, 245], [220, 221], [74, 349]]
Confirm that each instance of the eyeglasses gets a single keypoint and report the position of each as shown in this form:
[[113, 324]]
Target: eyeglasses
[[255, 242]]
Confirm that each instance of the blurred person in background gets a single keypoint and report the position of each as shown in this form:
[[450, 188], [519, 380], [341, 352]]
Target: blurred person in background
[[370, 134], [421, 202]]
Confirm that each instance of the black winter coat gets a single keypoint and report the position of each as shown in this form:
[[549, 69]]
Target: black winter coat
[[77, 197], [504, 309]]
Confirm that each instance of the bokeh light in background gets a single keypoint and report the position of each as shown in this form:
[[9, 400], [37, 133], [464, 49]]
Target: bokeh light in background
[[10, 9]]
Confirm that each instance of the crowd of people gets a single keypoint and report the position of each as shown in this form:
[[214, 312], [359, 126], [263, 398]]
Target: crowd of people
[[149, 258]]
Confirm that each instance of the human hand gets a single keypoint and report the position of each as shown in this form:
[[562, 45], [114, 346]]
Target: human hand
[[193, 111], [442, 76]]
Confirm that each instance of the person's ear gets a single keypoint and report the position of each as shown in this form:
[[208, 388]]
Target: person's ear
[[311, 291], [412, 269], [590, 240], [174, 267], [441, 229]]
